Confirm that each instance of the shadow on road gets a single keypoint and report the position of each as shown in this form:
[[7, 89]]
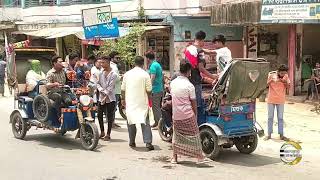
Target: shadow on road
[[194, 164], [248, 160], [52, 140], [120, 129], [144, 149], [117, 140]]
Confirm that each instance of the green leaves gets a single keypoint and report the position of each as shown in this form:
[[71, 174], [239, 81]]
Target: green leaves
[[126, 46]]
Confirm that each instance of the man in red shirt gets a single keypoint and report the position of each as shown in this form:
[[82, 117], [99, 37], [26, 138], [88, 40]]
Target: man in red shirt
[[278, 84]]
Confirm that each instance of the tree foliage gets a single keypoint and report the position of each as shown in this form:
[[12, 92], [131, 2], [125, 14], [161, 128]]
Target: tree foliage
[[126, 45]]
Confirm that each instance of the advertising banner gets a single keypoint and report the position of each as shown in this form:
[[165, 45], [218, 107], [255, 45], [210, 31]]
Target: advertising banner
[[98, 23], [290, 11]]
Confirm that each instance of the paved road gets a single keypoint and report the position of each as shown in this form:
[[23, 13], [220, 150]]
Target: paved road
[[44, 155]]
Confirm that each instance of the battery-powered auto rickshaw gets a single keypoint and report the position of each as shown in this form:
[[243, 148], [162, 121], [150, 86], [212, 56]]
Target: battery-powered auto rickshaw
[[229, 115], [39, 112]]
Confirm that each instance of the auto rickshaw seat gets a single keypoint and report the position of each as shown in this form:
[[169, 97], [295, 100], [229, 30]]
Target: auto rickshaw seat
[[25, 99]]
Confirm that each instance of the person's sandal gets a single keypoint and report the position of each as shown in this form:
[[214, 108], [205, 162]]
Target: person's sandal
[[267, 138], [102, 135], [203, 161], [107, 138], [150, 147], [115, 126], [174, 161], [283, 138], [132, 145]]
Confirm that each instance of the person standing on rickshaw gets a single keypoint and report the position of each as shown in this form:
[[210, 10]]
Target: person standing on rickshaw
[[223, 53], [197, 62]]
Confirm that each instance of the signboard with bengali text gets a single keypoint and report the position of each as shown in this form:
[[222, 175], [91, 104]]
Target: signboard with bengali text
[[290, 11], [98, 23]]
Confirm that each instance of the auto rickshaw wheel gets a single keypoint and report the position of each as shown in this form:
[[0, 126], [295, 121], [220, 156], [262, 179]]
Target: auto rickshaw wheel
[[209, 142], [89, 135], [41, 106], [165, 131], [247, 144], [19, 125]]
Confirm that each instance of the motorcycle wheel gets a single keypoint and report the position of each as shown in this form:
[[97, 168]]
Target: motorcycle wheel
[[19, 125], [89, 135], [247, 144], [209, 142], [41, 106], [165, 131]]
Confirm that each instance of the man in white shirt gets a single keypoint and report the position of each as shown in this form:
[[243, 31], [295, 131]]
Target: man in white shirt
[[223, 53], [94, 78], [136, 91], [114, 66]]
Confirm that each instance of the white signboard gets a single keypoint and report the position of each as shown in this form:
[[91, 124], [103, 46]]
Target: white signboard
[[34, 27], [290, 11], [96, 16]]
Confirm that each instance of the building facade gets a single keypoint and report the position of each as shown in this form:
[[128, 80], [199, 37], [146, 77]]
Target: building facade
[[272, 31]]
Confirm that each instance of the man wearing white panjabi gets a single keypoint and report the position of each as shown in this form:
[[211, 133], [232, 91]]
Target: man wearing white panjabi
[[136, 90]]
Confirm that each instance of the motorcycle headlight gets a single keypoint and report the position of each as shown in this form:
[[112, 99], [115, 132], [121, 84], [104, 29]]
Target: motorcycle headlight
[[85, 100]]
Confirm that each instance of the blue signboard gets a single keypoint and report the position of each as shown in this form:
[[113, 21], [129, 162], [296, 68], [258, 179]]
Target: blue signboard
[[107, 30]]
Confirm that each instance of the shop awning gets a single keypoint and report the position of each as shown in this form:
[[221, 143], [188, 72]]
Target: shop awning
[[243, 13], [51, 33], [65, 31]]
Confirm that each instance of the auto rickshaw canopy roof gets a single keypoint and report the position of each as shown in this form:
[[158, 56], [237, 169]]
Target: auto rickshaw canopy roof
[[244, 79]]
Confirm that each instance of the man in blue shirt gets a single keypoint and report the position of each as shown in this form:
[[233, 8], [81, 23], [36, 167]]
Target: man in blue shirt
[[156, 74]]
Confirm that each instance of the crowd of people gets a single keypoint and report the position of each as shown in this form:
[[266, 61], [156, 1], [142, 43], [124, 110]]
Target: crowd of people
[[142, 88]]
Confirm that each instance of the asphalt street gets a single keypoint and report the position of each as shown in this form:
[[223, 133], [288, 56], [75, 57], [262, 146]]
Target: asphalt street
[[44, 155]]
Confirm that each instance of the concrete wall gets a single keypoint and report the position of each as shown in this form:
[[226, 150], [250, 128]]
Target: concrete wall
[[10, 14], [194, 25], [206, 3], [282, 47], [72, 13], [63, 14]]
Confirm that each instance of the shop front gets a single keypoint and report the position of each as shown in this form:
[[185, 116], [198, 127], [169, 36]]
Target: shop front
[[282, 32], [157, 39], [302, 19]]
